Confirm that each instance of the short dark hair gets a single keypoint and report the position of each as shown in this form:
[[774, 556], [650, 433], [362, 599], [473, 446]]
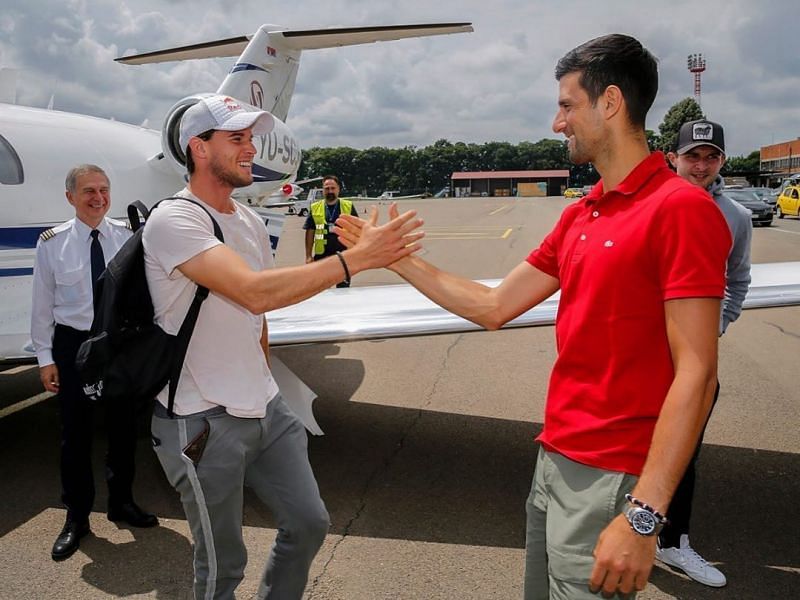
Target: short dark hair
[[615, 59], [334, 177], [205, 136]]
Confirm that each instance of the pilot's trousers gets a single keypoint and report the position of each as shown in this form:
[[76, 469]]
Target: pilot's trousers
[[77, 430], [269, 455]]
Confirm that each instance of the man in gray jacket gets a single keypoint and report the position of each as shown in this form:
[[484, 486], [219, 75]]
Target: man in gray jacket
[[698, 158]]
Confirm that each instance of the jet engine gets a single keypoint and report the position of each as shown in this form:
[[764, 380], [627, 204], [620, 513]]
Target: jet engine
[[274, 165]]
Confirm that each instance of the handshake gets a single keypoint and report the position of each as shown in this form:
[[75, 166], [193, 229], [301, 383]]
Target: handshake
[[373, 246]]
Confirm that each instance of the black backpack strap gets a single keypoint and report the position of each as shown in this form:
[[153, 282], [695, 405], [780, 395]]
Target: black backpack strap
[[187, 327], [134, 209]]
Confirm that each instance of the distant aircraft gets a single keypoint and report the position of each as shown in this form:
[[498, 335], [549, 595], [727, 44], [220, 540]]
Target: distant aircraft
[[387, 195]]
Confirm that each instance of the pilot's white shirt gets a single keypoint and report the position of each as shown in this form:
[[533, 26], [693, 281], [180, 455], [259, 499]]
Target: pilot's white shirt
[[62, 279]]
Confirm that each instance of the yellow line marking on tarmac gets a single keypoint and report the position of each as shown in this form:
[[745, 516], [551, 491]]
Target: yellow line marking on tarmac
[[460, 237], [497, 210], [451, 227], [10, 410], [506, 234], [19, 369]]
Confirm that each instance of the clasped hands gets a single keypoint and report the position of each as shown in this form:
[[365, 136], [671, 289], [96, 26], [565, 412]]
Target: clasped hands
[[383, 244]]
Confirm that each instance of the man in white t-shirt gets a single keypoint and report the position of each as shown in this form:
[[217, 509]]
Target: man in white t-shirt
[[231, 427]]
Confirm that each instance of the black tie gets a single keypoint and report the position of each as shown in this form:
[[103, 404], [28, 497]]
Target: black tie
[[98, 261]]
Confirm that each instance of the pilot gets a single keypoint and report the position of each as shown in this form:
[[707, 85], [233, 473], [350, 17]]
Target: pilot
[[320, 242], [698, 157], [69, 259]]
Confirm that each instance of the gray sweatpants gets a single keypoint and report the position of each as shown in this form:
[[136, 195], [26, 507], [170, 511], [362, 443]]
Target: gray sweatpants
[[270, 456]]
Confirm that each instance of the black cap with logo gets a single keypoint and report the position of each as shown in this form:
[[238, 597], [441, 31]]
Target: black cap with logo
[[700, 133]]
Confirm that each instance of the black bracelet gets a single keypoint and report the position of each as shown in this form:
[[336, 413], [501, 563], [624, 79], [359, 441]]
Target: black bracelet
[[647, 507], [344, 266]]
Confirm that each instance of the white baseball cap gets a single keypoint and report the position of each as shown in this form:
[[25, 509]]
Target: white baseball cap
[[224, 114]]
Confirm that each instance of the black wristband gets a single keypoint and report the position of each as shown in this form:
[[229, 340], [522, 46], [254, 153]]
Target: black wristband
[[344, 266]]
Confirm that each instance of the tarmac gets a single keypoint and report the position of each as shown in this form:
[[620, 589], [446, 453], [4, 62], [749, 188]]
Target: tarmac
[[428, 452]]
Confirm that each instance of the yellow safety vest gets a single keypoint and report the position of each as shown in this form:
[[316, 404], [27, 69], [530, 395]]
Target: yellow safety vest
[[321, 223]]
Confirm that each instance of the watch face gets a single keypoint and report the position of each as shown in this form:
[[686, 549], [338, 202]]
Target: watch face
[[642, 521]]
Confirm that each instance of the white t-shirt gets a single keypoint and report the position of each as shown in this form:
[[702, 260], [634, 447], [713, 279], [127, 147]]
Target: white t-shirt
[[225, 364]]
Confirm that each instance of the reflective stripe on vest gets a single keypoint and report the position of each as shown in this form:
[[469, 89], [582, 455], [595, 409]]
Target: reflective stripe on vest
[[321, 223]]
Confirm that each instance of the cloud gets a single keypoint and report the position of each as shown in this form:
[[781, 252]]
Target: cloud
[[494, 84]]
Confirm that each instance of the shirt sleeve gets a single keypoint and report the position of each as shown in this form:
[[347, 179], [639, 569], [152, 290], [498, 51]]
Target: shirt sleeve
[[42, 320], [353, 210], [738, 276], [692, 241], [545, 257], [309, 224], [177, 232]]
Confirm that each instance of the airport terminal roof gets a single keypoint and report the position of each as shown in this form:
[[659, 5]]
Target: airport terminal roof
[[509, 174]]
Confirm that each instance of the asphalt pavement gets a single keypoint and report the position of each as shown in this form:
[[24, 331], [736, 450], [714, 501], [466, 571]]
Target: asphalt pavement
[[429, 452]]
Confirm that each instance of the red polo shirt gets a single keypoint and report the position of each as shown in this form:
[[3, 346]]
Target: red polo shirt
[[618, 256]]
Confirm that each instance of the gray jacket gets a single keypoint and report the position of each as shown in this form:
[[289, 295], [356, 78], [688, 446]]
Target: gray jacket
[[738, 270]]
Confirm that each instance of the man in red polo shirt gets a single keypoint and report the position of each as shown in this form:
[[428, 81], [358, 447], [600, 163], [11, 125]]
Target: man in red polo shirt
[[640, 263]]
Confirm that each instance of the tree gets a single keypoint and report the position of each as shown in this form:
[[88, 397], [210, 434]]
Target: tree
[[744, 165], [686, 110]]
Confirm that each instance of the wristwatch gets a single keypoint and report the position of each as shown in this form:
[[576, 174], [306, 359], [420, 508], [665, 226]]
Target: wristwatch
[[642, 520]]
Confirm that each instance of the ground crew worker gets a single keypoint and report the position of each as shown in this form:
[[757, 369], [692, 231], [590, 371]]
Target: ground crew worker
[[320, 242]]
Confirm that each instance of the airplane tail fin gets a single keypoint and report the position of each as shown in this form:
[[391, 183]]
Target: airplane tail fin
[[266, 70]]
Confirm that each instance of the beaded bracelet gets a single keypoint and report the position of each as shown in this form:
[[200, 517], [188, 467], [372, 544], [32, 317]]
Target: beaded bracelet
[[647, 507]]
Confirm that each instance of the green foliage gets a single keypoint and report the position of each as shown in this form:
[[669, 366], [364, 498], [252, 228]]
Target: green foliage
[[686, 110], [413, 170], [742, 164]]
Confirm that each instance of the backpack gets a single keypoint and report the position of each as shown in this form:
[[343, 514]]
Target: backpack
[[128, 357]]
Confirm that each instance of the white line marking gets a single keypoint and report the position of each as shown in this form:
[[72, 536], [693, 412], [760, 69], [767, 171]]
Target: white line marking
[[10, 410], [19, 369], [776, 230], [494, 212]]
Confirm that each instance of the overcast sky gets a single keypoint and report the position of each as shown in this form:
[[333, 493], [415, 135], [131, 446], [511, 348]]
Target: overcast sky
[[494, 84]]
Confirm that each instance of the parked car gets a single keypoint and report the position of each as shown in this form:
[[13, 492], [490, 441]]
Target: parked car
[[761, 212], [573, 193], [789, 202], [765, 194]]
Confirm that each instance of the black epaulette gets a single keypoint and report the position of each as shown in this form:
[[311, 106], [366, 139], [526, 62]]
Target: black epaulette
[[47, 234]]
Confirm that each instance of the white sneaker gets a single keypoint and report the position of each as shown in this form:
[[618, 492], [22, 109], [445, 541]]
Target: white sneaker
[[690, 562]]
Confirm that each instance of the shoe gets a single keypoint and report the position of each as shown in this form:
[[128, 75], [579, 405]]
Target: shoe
[[68, 540], [690, 562], [131, 514]]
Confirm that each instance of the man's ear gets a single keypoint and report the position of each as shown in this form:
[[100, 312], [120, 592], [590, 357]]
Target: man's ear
[[198, 148], [673, 159], [612, 100]]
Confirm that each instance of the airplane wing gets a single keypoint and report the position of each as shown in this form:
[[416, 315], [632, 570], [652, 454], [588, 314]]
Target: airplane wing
[[389, 311]]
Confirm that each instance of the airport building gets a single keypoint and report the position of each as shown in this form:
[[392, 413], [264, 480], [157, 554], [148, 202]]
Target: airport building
[[779, 161], [509, 183]]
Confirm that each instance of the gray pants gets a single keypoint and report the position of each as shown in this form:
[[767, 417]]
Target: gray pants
[[569, 505], [270, 456]]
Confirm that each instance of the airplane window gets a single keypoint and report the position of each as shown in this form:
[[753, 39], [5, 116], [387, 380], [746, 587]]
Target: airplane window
[[10, 165]]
